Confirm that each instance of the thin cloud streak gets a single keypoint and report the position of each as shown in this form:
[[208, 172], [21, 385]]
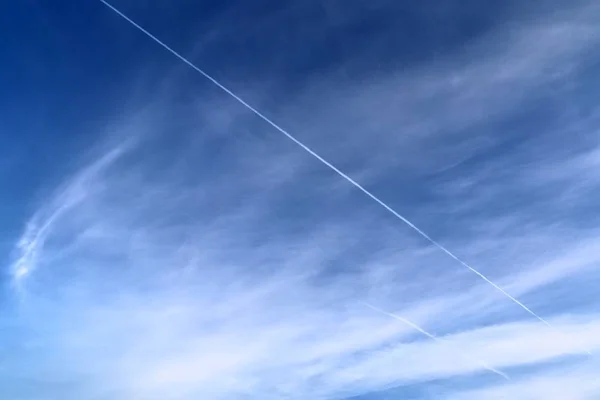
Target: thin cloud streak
[[332, 167], [433, 337]]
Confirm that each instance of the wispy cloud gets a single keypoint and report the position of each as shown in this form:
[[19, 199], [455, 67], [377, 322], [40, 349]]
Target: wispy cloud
[[221, 262]]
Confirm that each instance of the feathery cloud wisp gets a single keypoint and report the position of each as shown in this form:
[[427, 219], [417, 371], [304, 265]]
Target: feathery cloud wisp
[[232, 266]]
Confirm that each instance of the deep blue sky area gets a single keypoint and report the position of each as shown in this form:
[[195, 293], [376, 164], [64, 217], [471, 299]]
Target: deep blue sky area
[[65, 62], [160, 240]]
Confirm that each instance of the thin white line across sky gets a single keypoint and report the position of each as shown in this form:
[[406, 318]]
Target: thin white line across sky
[[431, 336], [326, 163]]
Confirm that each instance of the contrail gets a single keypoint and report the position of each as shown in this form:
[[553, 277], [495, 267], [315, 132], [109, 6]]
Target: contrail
[[325, 162], [433, 337]]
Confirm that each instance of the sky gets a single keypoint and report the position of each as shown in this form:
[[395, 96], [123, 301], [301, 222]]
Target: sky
[[159, 240]]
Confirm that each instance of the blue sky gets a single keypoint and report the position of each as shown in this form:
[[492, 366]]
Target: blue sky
[[160, 241]]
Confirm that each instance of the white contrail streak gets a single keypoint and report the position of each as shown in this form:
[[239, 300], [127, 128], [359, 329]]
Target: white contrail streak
[[437, 339], [327, 163]]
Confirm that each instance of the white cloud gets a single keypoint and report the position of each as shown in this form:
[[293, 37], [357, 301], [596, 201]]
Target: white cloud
[[187, 310], [239, 268]]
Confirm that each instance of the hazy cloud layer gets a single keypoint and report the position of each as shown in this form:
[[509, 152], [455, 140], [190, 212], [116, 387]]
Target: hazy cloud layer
[[199, 254]]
